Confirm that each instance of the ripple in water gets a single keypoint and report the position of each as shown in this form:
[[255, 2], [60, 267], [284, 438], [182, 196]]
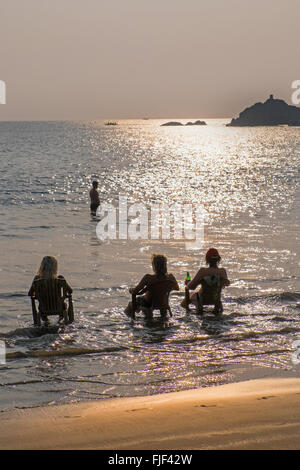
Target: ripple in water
[[248, 182]]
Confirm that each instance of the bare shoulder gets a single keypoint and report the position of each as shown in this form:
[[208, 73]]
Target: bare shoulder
[[171, 276], [148, 277], [201, 272], [223, 272]]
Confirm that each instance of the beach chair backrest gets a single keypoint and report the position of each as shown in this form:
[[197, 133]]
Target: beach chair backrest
[[51, 294], [160, 294], [211, 286]]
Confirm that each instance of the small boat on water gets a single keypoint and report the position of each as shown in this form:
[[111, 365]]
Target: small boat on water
[[111, 123]]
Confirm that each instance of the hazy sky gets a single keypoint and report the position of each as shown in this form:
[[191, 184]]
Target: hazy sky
[[105, 59]]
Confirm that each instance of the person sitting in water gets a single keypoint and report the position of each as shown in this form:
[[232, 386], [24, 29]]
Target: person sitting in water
[[48, 270], [94, 196], [212, 279], [155, 287]]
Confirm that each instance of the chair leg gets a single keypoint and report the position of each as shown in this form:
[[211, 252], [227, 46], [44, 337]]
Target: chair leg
[[218, 310], [199, 304], [70, 311], [35, 314], [66, 317], [148, 312], [187, 299], [39, 320], [133, 306], [163, 313]]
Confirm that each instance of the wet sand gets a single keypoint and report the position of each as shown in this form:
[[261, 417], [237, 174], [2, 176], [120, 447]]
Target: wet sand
[[256, 414]]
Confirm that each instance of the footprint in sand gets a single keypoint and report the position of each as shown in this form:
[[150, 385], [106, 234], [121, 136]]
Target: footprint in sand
[[72, 416], [137, 409], [265, 398], [205, 406]]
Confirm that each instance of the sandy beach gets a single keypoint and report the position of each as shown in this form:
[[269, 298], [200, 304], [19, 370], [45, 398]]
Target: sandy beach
[[256, 414], [149, 150]]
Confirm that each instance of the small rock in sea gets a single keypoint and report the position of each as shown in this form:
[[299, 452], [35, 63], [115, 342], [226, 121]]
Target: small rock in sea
[[172, 123], [196, 123]]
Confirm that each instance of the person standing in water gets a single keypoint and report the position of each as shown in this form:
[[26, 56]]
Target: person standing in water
[[94, 196]]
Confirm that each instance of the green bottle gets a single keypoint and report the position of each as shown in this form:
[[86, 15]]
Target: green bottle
[[188, 277]]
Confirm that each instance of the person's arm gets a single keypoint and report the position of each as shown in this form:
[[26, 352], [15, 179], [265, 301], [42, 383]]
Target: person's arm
[[143, 283], [225, 280], [175, 285], [68, 287], [31, 290], [196, 281]]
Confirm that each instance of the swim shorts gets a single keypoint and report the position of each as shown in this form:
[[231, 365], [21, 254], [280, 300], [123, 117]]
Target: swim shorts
[[94, 206]]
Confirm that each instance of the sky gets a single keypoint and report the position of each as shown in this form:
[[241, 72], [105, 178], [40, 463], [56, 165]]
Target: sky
[[115, 59]]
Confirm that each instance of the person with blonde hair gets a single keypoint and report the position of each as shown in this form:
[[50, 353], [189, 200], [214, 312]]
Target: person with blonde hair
[[48, 270], [154, 287]]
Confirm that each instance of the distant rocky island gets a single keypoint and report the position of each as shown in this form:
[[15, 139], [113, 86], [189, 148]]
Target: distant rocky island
[[196, 123], [272, 112], [190, 123], [172, 123]]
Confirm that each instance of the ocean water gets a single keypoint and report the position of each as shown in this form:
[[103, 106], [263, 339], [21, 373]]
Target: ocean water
[[248, 181]]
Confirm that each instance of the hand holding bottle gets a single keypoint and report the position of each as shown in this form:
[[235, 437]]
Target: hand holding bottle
[[188, 278]]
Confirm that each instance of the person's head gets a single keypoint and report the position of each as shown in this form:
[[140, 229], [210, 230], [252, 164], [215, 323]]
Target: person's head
[[159, 264], [95, 184], [212, 257], [48, 268]]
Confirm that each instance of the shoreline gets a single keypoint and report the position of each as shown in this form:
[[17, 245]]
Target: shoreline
[[255, 414]]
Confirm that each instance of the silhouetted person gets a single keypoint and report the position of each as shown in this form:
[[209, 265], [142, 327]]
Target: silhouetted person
[[155, 287], [48, 270], [209, 278], [94, 196]]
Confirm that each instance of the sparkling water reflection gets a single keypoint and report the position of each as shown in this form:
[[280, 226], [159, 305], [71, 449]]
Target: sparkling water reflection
[[247, 180]]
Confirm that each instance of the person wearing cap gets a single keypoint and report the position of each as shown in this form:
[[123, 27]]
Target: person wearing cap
[[207, 276]]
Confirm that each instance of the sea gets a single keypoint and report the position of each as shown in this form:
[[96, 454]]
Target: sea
[[248, 182]]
